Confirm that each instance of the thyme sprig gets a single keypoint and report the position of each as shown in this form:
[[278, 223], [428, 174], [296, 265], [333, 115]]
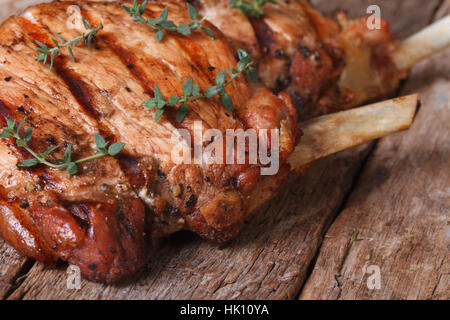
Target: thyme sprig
[[86, 37], [161, 24], [369, 257], [191, 91], [61, 164], [251, 8]]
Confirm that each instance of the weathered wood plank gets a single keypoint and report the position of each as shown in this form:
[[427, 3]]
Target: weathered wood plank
[[11, 264], [401, 207], [269, 260]]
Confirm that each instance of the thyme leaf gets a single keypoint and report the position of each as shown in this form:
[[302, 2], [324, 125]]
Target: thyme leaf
[[354, 237], [369, 257], [192, 92], [11, 131], [162, 24], [251, 8], [46, 52]]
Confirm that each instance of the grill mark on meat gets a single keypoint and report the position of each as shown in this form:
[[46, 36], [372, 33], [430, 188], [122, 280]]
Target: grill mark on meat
[[196, 55], [127, 232], [264, 35], [198, 63], [190, 52], [81, 92], [35, 120], [46, 177], [46, 180], [130, 62], [76, 85], [78, 89], [99, 93]]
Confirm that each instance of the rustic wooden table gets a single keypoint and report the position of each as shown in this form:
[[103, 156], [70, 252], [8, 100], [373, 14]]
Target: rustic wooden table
[[383, 206]]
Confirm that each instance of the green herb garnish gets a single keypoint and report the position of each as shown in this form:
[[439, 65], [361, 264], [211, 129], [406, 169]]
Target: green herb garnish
[[251, 8], [191, 91], [354, 237], [161, 24], [369, 257], [53, 52], [40, 158]]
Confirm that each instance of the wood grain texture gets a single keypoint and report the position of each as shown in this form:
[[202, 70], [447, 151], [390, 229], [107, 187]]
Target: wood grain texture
[[269, 260], [12, 266], [400, 206], [272, 257]]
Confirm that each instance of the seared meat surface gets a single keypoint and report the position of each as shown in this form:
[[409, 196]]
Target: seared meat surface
[[108, 218], [326, 65]]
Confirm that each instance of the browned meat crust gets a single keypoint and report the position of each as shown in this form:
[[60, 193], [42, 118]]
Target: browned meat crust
[[108, 218], [325, 65]]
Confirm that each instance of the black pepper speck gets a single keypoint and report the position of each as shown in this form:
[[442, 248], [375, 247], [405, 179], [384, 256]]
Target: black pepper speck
[[20, 109], [161, 174], [172, 211], [24, 204], [305, 51], [190, 202], [279, 53], [51, 140], [120, 215]]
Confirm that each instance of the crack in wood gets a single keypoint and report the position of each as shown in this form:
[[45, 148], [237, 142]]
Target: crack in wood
[[338, 210], [19, 277]]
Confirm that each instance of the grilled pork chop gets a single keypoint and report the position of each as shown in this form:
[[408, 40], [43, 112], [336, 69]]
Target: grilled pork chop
[[108, 218], [325, 65]]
